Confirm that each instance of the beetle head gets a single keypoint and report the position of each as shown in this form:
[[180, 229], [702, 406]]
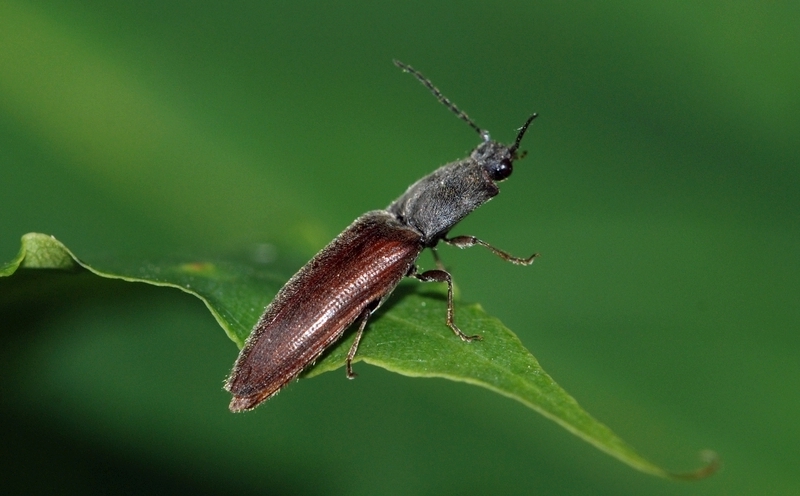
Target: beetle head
[[497, 159]]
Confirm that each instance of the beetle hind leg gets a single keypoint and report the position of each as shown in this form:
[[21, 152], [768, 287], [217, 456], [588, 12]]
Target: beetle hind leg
[[363, 318]]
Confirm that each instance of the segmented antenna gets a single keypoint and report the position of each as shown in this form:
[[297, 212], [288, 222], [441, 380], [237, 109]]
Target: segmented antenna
[[445, 101], [522, 130]]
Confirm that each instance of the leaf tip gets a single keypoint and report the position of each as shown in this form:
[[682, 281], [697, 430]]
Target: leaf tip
[[711, 465]]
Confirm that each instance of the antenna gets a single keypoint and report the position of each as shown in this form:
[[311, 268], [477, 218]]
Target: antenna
[[522, 130], [446, 102]]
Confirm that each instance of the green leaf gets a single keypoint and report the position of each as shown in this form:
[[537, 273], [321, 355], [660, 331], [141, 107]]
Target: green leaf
[[235, 289], [407, 336]]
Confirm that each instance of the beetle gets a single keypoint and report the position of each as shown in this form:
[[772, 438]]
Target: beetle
[[350, 278]]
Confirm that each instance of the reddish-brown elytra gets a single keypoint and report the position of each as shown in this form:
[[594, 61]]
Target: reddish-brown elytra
[[357, 271]]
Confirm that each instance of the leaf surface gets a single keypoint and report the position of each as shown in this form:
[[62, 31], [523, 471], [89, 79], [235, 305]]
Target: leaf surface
[[407, 336]]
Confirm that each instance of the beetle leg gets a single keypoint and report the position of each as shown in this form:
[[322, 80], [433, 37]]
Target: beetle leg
[[439, 264], [438, 275], [364, 317], [469, 241]]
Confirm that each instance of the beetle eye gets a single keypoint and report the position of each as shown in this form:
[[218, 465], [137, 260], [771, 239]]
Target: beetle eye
[[501, 170]]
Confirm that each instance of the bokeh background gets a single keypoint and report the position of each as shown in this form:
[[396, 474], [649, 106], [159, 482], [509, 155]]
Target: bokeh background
[[662, 188]]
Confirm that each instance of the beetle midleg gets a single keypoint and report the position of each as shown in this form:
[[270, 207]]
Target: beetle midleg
[[436, 259], [439, 275], [364, 317], [469, 241]]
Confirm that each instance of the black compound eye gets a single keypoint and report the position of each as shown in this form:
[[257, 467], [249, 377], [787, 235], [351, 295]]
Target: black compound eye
[[501, 170]]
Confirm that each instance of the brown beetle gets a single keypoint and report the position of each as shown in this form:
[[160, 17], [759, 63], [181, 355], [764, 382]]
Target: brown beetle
[[357, 271]]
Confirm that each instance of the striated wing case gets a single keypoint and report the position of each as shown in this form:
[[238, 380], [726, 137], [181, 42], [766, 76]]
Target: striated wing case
[[358, 268]]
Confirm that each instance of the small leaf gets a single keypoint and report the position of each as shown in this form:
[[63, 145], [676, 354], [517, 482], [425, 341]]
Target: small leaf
[[407, 335]]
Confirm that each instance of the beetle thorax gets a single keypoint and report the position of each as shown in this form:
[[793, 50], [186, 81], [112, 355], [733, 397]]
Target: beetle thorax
[[438, 201]]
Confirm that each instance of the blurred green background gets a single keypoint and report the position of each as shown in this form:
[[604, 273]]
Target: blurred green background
[[662, 188]]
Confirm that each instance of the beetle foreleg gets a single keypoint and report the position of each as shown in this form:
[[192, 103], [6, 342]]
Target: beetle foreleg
[[469, 241]]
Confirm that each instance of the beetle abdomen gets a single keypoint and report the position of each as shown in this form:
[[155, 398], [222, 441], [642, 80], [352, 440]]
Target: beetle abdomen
[[318, 304]]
